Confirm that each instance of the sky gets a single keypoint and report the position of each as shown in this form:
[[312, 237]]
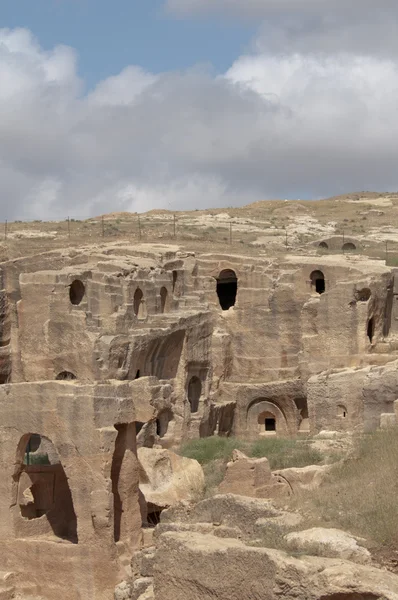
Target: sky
[[183, 104]]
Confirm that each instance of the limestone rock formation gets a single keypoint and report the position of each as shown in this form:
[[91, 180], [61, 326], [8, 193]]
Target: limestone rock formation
[[203, 567], [240, 514], [252, 477], [167, 478], [303, 478], [104, 344], [328, 542]]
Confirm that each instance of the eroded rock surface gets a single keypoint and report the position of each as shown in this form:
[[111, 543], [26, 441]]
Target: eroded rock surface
[[203, 567], [167, 478], [333, 543]]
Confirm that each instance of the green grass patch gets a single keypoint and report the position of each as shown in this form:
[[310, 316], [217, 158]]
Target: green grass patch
[[284, 452], [281, 452], [205, 450]]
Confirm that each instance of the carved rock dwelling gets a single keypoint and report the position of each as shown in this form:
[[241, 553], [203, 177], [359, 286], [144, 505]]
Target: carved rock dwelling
[[111, 347]]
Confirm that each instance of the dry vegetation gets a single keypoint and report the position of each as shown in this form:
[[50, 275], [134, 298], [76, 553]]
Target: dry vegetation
[[359, 495], [272, 226]]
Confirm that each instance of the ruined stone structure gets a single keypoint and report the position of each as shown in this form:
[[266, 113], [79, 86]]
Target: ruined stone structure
[[108, 347]]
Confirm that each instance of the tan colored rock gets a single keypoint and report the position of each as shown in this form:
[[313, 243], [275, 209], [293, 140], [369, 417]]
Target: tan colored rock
[[228, 512], [123, 591], [149, 594], [167, 478], [104, 341], [202, 567], [252, 477], [303, 478], [333, 543]]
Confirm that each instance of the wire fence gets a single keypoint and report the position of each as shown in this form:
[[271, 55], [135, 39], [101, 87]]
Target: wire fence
[[248, 233]]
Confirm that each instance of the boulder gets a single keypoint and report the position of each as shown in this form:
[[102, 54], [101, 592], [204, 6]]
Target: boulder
[[203, 567], [228, 511], [167, 478], [333, 543], [252, 477], [123, 591], [303, 478]]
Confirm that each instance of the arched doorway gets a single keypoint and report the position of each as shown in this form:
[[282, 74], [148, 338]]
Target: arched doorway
[[43, 488], [370, 329], [323, 246], [227, 287], [162, 422], [264, 417], [175, 277], [163, 299], [138, 304], [126, 510], [76, 292], [194, 393], [267, 422], [318, 282]]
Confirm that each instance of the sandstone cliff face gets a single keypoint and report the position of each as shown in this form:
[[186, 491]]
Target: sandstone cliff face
[[106, 344]]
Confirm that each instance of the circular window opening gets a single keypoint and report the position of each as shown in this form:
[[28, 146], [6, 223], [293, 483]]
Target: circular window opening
[[76, 291]]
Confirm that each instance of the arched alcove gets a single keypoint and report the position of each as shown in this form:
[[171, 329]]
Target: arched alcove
[[370, 329], [318, 282], [76, 291], [342, 411], [124, 484], [227, 287], [43, 489], [323, 245], [65, 376], [138, 303], [163, 299], [264, 417], [348, 247], [162, 422], [194, 393]]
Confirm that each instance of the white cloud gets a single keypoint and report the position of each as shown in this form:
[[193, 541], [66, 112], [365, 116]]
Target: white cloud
[[274, 126], [122, 89], [286, 26]]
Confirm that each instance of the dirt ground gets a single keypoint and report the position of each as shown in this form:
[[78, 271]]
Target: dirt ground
[[270, 227]]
